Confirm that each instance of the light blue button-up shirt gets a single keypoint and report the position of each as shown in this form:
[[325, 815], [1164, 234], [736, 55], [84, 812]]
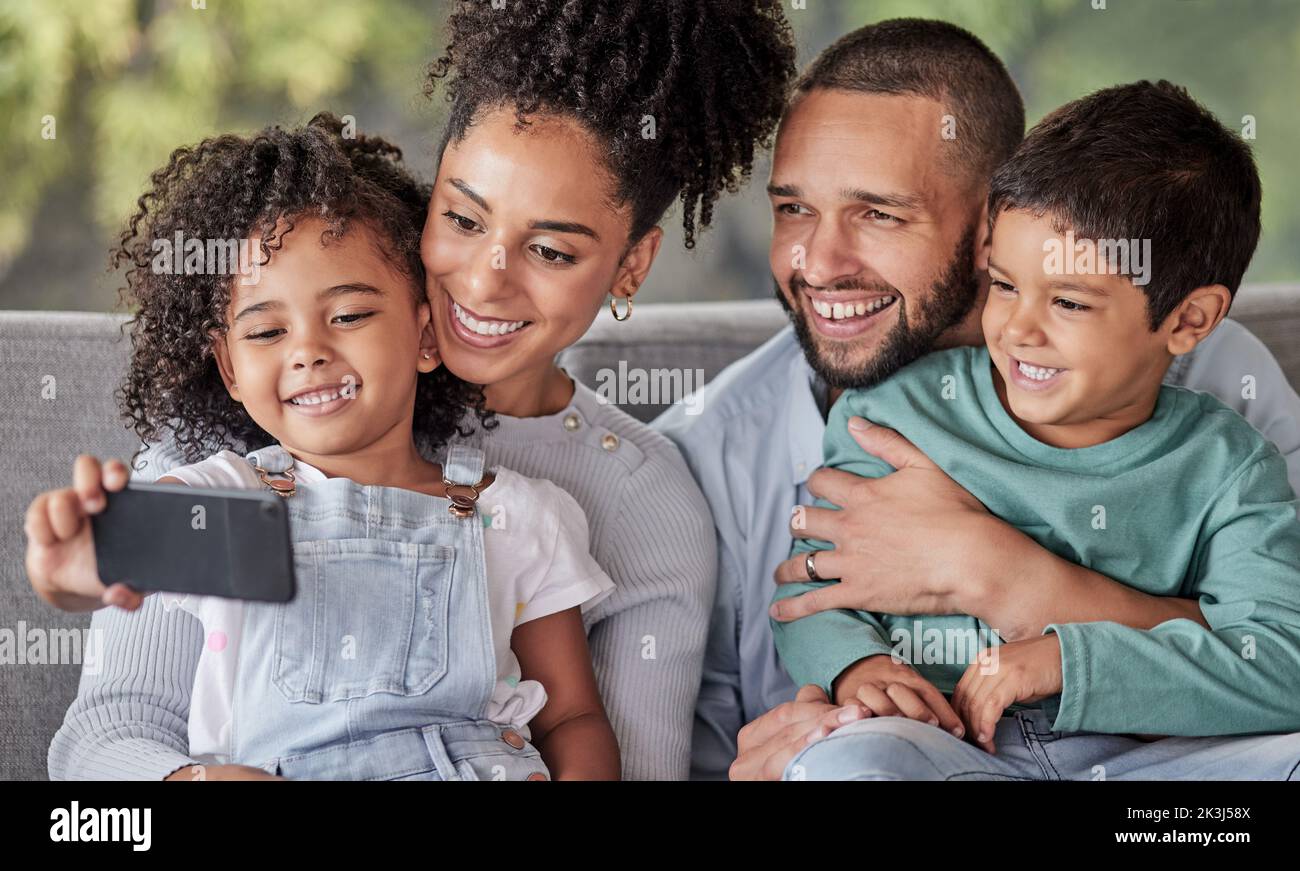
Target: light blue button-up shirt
[[755, 438]]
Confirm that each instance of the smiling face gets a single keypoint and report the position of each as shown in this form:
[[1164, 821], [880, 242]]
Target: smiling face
[[875, 240], [1077, 362], [521, 245], [324, 351]]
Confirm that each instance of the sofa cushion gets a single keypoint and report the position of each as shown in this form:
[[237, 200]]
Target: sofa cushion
[[59, 373]]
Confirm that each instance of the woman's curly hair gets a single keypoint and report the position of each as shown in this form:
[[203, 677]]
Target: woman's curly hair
[[236, 187], [711, 76]]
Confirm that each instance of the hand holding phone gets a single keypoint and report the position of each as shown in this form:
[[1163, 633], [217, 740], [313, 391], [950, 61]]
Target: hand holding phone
[[87, 542], [60, 552], [209, 542]]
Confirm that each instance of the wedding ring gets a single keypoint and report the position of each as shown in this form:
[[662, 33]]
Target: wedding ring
[[808, 564]]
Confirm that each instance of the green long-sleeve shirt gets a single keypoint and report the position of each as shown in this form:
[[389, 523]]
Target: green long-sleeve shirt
[[1193, 503]]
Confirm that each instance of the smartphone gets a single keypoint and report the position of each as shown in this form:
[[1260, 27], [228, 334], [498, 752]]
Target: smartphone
[[179, 539]]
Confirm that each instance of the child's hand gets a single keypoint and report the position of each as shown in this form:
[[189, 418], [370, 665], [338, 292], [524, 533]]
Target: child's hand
[[60, 550], [1019, 671], [894, 689]]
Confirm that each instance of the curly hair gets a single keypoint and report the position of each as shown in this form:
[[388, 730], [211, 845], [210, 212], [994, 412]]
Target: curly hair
[[235, 187], [677, 92]]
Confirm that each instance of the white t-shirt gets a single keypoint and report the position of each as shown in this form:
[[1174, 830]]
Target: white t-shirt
[[518, 591]]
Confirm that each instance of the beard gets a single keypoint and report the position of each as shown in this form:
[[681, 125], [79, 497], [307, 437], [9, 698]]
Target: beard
[[950, 300]]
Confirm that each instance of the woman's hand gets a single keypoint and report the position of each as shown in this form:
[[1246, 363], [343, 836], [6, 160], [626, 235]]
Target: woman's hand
[[221, 772], [60, 551]]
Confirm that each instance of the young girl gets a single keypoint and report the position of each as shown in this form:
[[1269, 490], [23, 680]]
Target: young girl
[[573, 126], [436, 627]]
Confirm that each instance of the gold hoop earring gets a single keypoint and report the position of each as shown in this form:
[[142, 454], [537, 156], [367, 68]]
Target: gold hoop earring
[[613, 307]]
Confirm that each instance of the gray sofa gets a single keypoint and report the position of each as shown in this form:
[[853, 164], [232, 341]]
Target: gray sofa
[[58, 372]]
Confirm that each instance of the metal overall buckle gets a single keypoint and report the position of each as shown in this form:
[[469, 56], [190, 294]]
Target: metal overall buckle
[[462, 497], [285, 486]]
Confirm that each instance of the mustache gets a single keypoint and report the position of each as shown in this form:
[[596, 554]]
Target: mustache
[[798, 283]]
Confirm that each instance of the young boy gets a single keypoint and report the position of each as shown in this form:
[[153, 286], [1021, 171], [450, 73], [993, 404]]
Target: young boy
[[1121, 229]]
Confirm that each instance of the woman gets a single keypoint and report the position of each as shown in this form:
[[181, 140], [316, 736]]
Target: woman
[[627, 106], [574, 125]]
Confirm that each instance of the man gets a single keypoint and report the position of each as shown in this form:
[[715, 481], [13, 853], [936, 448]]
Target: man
[[879, 182]]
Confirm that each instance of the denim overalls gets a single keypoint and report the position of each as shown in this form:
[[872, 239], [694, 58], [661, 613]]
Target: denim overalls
[[381, 668]]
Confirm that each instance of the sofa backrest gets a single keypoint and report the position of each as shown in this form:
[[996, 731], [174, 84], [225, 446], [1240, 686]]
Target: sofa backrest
[[59, 372]]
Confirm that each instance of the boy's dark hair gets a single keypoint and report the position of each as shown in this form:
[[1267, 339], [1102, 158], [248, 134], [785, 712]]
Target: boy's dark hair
[[1143, 161], [235, 187], [712, 74], [932, 59]]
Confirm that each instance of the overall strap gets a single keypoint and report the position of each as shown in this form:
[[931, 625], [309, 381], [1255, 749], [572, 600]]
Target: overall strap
[[274, 460], [464, 465], [462, 473]]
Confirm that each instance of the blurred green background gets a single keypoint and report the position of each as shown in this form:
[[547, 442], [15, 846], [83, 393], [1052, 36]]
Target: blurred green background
[[125, 81]]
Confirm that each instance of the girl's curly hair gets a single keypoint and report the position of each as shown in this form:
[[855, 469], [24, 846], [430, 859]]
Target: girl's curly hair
[[232, 188], [678, 92]]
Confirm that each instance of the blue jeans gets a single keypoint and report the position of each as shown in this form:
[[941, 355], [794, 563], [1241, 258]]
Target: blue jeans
[[895, 748]]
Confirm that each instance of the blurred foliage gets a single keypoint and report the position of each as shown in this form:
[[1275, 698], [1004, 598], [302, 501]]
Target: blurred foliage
[[126, 81], [40, 55]]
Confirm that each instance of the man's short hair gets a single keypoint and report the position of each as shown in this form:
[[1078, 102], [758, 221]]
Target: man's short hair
[[932, 59], [1136, 162]]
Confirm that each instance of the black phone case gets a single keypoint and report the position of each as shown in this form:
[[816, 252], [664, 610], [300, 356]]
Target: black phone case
[[180, 539]]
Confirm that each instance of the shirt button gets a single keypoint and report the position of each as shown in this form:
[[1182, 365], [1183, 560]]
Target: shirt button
[[513, 738], [572, 422], [536, 775], [609, 441]]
